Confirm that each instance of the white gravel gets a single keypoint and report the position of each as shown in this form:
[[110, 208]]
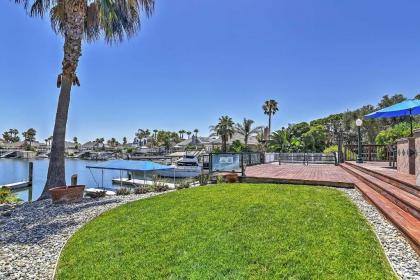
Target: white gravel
[[33, 234], [403, 258]]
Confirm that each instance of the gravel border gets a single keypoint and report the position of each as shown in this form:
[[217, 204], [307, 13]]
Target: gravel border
[[32, 235], [404, 260]]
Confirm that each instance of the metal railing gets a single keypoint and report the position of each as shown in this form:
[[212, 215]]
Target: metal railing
[[308, 158], [372, 153]]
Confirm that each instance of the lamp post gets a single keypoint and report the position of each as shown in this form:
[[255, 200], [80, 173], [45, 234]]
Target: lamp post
[[359, 159]]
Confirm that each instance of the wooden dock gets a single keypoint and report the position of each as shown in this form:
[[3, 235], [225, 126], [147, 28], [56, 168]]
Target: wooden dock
[[139, 182], [18, 185]]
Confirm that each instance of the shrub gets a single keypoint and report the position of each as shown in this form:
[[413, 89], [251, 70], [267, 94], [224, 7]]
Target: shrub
[[123, 191], [6, 196], [96, 194], [184, 184], [203, 179], [220, 179], [331, 149], [141, 190], [159, 187]]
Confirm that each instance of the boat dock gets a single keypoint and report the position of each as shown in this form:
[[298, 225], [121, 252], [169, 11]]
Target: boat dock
[[139, 182], [17, 185]]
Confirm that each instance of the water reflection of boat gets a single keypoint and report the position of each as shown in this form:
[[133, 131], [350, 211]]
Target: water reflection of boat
[[186, 167]]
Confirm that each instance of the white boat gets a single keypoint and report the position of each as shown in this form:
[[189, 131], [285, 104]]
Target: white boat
[[184, 168]]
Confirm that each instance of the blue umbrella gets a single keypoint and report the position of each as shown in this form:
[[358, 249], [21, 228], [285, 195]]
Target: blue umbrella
[[406, 108]]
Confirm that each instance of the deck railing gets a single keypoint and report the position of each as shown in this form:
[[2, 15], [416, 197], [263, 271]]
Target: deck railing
[[233, 162], [372, 153], [308, 158]]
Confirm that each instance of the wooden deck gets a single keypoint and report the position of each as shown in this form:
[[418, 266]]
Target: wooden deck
[[321, 174]]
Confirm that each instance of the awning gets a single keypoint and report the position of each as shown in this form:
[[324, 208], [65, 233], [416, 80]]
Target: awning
[[130, 165]]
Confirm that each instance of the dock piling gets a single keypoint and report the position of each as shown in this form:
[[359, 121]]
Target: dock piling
[[74, 180]]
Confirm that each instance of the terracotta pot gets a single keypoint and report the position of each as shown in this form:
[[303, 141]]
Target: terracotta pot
[[67, 194], [231, 177]]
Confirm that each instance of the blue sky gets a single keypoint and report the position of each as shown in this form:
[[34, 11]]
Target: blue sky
[[195, 60]]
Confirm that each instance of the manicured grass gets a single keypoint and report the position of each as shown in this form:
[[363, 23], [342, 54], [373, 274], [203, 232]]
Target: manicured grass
[[239, 231]]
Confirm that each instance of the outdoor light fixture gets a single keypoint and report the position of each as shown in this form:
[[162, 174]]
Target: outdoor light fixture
[[359, 159]]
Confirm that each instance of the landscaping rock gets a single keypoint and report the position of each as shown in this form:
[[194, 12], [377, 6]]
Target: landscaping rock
[[403, 258], [33, 234]]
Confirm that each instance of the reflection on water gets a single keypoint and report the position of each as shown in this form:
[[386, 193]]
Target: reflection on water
[[15, 170]]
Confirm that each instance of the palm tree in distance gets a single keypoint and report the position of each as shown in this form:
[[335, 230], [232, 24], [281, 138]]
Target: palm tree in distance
[[189, 134], [76, 20], [196, 132], [245, 129], [29, 136], [155, 131], [270, 107], [224, 129]]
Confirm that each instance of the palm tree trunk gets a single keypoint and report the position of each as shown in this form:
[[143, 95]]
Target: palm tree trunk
[[246, 143], [75, 14], [269, 125]]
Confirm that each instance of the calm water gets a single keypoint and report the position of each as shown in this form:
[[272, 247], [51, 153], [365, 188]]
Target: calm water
[[15, 170]]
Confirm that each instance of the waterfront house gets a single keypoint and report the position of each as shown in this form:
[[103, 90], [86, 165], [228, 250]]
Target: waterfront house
[[198, 143]]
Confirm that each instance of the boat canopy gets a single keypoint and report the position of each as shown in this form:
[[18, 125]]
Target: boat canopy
[[131, 165]]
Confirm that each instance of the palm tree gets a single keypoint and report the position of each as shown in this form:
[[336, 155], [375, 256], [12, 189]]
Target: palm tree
[[189, 134], [155, 131], [124, 140], [76, 20], [279, 141], [75, 141], [270, 107], [245, 129], [29, 136], [225, 129], [196, 132]]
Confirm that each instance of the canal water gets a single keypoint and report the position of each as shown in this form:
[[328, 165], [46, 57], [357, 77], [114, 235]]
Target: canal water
[[15, 170]]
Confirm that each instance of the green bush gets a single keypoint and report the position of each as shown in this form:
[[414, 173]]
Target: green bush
[[390, 135], [331, 149], [6, 196], [203, 179]]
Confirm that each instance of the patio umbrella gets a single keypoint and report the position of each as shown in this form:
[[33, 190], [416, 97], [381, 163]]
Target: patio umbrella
[[406, 108]]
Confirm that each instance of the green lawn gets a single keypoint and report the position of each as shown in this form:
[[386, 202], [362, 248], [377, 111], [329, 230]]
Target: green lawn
[[238, 231]]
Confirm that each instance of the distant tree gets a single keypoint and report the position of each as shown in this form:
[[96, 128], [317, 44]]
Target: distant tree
[[314, 140], [29, 136], [113, 142], [224, 129], [76, 142], [270, 107], [245, 129], [11, 136], [7, 137], [155, 131], [189, 134], [196, 132], [279, 141], [237, 146], [124, 140]]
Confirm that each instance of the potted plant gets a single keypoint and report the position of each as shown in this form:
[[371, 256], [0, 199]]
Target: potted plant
[[67, 193]]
